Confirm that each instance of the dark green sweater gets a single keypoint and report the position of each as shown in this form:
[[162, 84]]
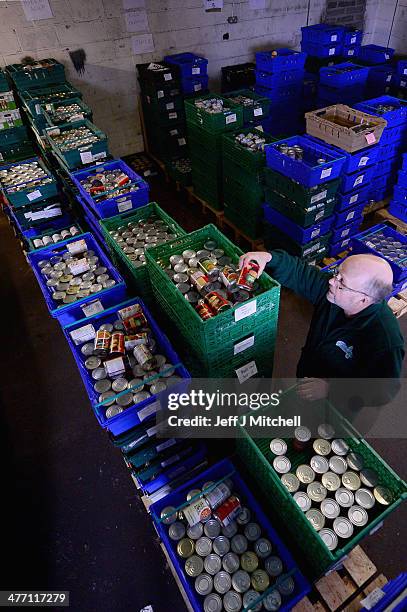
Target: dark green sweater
[[368, 345]]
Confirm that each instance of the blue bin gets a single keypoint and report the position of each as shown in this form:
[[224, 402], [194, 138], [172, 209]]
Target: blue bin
[[280, 95], [93, 223], [380, 76], [350, 51], [346, 231], [337, 247], [395, 117], [33, 194], [398, 209], [388, 151], [116, 204], [402, 68], [350, 215], [394, 134], [307, 171], [323, 34], [340, 95], [343, 75], [375, 54], [393, 594], [296, 232], [189, 64], [350, 182], [400, 194], [353, 198], [361, 244], [402, 177], [317, 50], [284, 60], [388, 166], [137, 413], [352, 37], [191, 85], [217, 473], [277, 80], [400, 82], [70, 312]]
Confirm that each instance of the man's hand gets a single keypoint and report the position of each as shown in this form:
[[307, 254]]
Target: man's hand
[[260, 257], [313, 389]]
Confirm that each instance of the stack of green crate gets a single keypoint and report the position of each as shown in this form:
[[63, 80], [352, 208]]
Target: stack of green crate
[[243, 188], [14, 141], [221, 345], [205, 132], [255, 106]]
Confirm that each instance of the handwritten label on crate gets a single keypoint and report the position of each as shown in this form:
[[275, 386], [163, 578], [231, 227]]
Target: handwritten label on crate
[[363, 161], [359, 180], [316, 232], [326, 172], [372, 599], [351, 52], [174, 132], [243, 345], [354, 198], [247, 371], [83, 334], [388, 78], [350, 215], [92, 308], [79, 267], [353, 40], [246, 310], [258, 112], [79, 246], [160, 447], [387, 56], [168, 76], [332, 51], [318, 196], [345, 232], [172, 115], [196, 70], [197, 86], [231, 118], [148, 410], [182, 142], [334, 37], [123, 206], [319, 215], [160, 94], [403, 83], [170, 106], [153, 430], [34, 195], [86, 157], [370, 138]]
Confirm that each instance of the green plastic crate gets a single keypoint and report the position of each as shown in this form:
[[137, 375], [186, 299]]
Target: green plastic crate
[[250, 197], [13, 136], [314, 213], [242, 175], [4, 84], [258, 111], [183, 178], [257, 457], [162, 118], [229, 119], [86, 154], [154, 105], [250, 225], [33, 99], [137, 275], [201, 138], [7, 101], [207, 186], [48, 110], [37, 76], [160, 91], [304, 196], [32, 194], [220, 332], [240, 155], [16, 152]]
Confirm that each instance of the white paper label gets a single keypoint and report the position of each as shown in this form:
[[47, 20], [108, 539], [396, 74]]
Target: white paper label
[[345, 232], [354, 198], [370, 244], [258, 112], [53, 132], [350, 215], [388, 78], [353, 40], [246, 310], [123, 206], [148, 410], [387, 56], [86, 157], [100, 155], [319, 215], [83, 334], [359, 180], [92, 308], [147, 172], [170, 106], [231, 119], [182, 142], [345, 242], [197, 86], [165, 445], [160, 94], [316, 232], [34, 195], [115, 367], [241, 346], [79, 267], [334, 37], [351, 52], [152, 430], [38, 109], [405, 71], [363, 161], [172, 115], [403, 83], [79, 246], [170, 461], [174, 132], [318, 196], [372, 599], [168, 76], [246, 371], [332, 51], [196, 70]]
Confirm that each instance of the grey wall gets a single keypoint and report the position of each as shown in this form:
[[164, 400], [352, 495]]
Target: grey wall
[[386, 23], [346, 12]]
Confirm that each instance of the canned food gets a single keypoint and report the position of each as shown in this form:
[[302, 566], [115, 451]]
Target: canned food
[[355, 461], [316, 491], [168, 515], [291, 482], [316, 518], [338, 464], [329, 538], [241, 581], [322, 447], [286, 586], [260, 580], [383, 495], [351, 481], [203, 584], [216, 302], [232, 601], [319, 464], [113, 411], [263, 548], [212, 528], [331, 481], [249, 601], [212, 603], [339, 447], [229, 530], [282, 464], [221, 545], [358, 516], [272, 601], [203, 546], [102, 342], [203, 310], [305, 474], [248, 275], [326, 431], [194, 566], [344, 497], [368, 477], [219, 494], [239, 544], [230, 562], [176, 531], [273, 566], [302, 436], [212, 564], [278, 447], [249, 561], [244, 516], [195, 532], [222, 582], [209, 267], [108, 398], [252, 531], [103, 385], [330, 508], [343, 527], [302, 500], [185, 548]]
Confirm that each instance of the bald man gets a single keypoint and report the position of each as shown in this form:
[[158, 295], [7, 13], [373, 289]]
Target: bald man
[[353, 332]]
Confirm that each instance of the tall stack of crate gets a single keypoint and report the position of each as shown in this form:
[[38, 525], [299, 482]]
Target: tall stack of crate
[[300, 196], [344, 83], [14, 140], [279, 77], [193, 71], [205, 130], [256, 108], [322, 40], [399, 86], [243, 185], [398, 204]]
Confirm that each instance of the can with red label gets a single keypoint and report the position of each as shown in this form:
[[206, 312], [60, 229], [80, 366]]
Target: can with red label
[[122, 179], [102, 342], [117, 345], [229, 277], [216, 302], [248, 275], [204, 311], [135, 322], [228, 511]]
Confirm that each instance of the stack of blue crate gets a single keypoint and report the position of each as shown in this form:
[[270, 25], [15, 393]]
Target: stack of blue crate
[[352, 41], [380, 80], [392, 143], [279, 77], [372, 55], [322, 40], [398, 205], [193, 71], [343, 83], [399, 85]]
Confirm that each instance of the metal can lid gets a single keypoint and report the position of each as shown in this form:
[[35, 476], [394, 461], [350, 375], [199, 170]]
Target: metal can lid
[[326, 431], [185, 548], [125, 400], [319, 464], [358, 516], [344, 497], [291, 482], [316, 491], [241, 581], [203, 546], [365, 498], [170, 514], [355, 461], [239, 544], [273, 566], [263, 548], [230, 530], [305, 473], [303, 501], [302, 434], [252, 531], [212, 564], [107, 395], [369, 477], [113, 411], [119, 384], [193, 493], [212, 603], [316, 518], [278, 446], [383, 495], [343, 527], [331, 481], [194, 566], [351, 481], [260, 580], [87, 349], [92, 363], [249, 561], [203, 584], [188, 254], [212, 528], [230, 562], [339, 447], [103, 385], [244, 516], [232, 601], [222, 582], [210, 245], [330, 508], [282, 464], [249, 599], [272, 601], [195, 532], [322, 446], [177, 531], [221, 545], [329, 538]]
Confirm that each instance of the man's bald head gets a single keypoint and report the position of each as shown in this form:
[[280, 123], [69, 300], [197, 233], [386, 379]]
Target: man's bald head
[[368, 273]]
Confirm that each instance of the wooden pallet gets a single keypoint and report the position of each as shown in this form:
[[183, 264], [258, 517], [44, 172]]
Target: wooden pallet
[[371, 208], [240, 238], [205, 207], [383, 216], [328, 261], [344, 589]]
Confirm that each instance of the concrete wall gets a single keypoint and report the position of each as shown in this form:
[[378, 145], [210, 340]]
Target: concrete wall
[[346, 12], [386, 23]]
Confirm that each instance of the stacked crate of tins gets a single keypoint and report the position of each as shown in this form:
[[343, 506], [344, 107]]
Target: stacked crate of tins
[[392, 144], [381, 76], [163, 108], [343, 83], [279, 77], [399, 85], [208, 117], [225, 323], [243, 186], [302, 178], [398, 204], [256, 108], [14, 141]]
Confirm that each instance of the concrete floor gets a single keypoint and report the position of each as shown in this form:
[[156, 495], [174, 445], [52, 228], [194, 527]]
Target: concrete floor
[[71, 516]]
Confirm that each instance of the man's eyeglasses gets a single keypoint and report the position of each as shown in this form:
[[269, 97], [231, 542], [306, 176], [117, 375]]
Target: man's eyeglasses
[[336, 273]]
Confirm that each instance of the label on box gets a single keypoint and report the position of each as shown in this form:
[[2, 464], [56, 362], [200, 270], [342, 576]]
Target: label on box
[[170, 106], [387, 56], [359, 180], [92, 308], [334, 37], [246, 310], [197, 86], [79, 246], [231, 118], [332, 51], [76, 117], [34, 195], [123, 206], [363, 161], [172, 115], [170, 461], [168, 76], [345, 242], [115, 367], [54, 132], [316, 232], [86, 157], [318, 196], [182, 142], [147, 172], [354, 198], [326, 172], [160, 94], [164, 445], [353, 40], [241, 346], [319, 215], [152, 430], [370, 244], [370, 138], [345, 232], [83, 334], [258, 112], [388, 78], [403, 83], [351, 52], [196, 512], [174, 132], [148, 410], [79, 267], [196, 70], [246, 371], [372, 599], [100, 155], [38, 109], [350, 215]]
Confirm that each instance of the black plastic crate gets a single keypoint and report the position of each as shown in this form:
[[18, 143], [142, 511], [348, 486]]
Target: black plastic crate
[[238, 76]]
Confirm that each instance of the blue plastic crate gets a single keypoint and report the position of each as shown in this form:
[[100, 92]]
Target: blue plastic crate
[[395, 117], [388, 151], [295, 231], [342, 75], [51, 225], [33, 194], [400, 194], [322, 34], [307, 171], [350, 215], [137, 413], [375, 54], [285, 59], [353, 198], [350, 182], [394, 134], [115, 204], [350, 51], [402, 68], [388, 167], [400, 81], [63, 313], [189, 64], [393, 594], [361, 244], [280, 95], [217, 473], [352, 37], [196, 84], [24, 218], [402, 177], [346, 231], [317, 50], [277, 80], [380, 75], [337, 247], [340, 95], [93, 223], [398, 209]]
